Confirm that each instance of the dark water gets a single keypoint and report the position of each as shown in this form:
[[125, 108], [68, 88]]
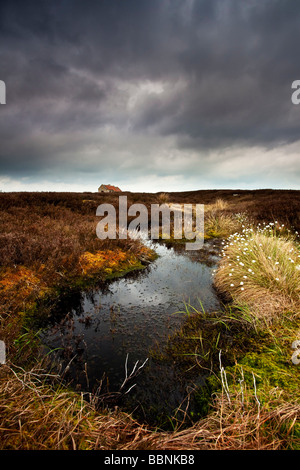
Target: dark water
[[99, 331]]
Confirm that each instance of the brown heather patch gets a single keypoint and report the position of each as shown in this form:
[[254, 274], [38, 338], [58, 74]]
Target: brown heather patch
[[48, 243]]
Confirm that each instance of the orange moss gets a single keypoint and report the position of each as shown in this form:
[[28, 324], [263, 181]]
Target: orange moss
[[20, 285], [107, 261]]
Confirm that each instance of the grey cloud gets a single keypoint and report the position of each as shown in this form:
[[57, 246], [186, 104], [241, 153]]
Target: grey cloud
[[73, 68]]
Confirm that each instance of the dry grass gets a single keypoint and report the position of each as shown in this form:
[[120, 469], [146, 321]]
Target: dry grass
[[35, 416], [218, 225], [163, 198], [219, 205], [220, 221], [231, 427]]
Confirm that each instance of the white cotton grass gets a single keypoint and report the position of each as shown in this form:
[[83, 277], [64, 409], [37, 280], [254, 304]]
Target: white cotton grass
[[261, 266]]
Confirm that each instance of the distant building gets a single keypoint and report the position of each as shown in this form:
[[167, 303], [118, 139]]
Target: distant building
[[108, 188]]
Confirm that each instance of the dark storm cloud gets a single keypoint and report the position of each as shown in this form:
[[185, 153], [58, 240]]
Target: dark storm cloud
[[237, 67], [111, 83]]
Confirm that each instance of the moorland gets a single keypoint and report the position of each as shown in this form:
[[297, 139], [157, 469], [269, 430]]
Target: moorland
[[48, 246]]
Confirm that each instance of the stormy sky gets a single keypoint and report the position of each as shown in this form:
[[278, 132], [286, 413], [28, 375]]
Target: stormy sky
[[149, 95]]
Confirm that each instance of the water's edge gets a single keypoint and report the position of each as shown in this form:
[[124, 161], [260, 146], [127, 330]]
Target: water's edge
[[99, 336]]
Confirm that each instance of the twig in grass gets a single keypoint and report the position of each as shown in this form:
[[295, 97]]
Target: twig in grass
[[255, 394], [133, 373], [241, 385], [224, 378]]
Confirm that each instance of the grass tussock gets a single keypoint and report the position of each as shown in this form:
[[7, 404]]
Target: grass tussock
[[261, 268], [218, 225], [218, 205], [219, 221], [163, 198]]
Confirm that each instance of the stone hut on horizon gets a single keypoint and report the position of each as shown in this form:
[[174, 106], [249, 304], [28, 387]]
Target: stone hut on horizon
[[108, 188]]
